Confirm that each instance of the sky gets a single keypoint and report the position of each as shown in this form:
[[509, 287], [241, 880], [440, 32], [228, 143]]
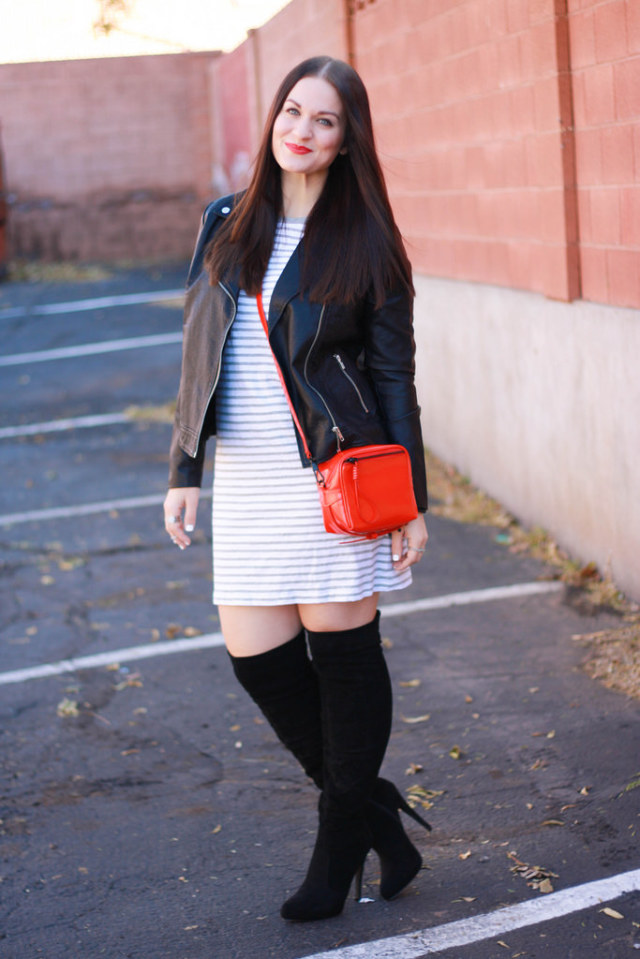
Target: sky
[[63, 29]]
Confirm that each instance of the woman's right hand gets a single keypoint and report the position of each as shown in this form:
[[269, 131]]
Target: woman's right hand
[[180, 508]]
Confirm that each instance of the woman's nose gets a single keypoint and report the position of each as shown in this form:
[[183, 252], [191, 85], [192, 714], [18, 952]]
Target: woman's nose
[[303, 128]]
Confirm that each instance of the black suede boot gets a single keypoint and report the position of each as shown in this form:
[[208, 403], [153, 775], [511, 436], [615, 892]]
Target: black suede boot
[[355, 695]]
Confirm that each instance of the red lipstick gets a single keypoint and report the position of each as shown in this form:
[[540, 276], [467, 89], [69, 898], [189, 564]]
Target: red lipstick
[[297, 149]]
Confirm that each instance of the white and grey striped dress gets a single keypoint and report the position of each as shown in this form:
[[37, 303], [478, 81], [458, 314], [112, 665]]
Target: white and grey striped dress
[[270, 547]]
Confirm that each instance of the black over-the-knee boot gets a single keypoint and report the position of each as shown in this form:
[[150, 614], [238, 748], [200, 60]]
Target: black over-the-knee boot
[[284, 685], [355, 696]]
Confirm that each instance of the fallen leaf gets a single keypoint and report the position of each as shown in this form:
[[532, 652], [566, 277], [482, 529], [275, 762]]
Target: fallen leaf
[[503, 944], [545, 886], [411, 683], [192, 631], [129, 752], [216, 830], [455, 752], [386, 643], [83, 870], [234, 729], [67, 707], [613, 913], [416, 719], [464, 855], [468, 699], [412, 769], [47, 580], [585, 790], [172, 630], [74, 562], [553, 822], [189, 928], [538, 764], [155, 635], [465, 899]]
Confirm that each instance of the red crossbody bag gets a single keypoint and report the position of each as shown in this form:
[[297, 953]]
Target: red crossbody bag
[[366, 491]]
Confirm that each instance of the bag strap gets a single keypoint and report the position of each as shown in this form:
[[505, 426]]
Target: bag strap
[[263, 320]]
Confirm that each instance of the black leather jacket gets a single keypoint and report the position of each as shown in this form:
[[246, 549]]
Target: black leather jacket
[[349, 369]]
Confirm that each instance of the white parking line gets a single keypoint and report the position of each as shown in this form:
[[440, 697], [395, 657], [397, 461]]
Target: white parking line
[[56, 426], [211, 640], [415, 945], [91, 349], [86, 509], [96, 303]]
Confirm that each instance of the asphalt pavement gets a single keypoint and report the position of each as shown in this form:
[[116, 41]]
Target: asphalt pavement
[[148, 812]]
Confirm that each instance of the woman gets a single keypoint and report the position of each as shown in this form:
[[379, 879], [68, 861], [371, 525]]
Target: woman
[[314, 233]]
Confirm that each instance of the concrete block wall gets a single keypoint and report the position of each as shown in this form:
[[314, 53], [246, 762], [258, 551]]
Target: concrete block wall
[[605, 60], [106, 158], [468, 106], [304, 28]]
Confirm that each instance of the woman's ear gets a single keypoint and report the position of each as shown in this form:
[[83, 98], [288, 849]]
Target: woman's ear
[[343, 151]]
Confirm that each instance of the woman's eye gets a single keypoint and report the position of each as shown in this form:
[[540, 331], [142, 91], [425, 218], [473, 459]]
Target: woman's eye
[[325, 122], [292, 111]]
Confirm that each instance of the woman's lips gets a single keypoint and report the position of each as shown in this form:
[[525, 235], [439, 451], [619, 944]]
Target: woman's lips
[[297, 149]]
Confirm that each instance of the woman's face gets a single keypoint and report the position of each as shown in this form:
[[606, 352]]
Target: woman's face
[[309, 131]]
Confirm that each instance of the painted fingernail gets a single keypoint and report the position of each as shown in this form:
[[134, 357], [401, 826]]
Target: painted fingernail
[[395, 558], [190, 528]]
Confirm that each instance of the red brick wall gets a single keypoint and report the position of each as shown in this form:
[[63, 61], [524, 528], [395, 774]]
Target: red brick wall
[[106, 158], [473, 102], [605, 58], [232, 91], [467, 100], [304, 28], [508, 130]]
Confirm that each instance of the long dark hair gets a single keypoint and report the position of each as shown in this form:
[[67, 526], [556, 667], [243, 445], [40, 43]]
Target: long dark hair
[[352, 245]]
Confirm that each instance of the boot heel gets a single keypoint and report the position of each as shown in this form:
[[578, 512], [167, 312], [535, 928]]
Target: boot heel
[[405, 807], [388, 795]]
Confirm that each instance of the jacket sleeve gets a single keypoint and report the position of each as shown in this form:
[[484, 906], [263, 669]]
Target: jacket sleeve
[[390, 361], [186, 470]]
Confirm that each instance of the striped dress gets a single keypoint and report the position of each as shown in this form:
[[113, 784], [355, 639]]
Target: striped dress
[[270, 547]]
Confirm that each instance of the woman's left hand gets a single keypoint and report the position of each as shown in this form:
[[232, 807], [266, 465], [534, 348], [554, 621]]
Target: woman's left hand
[[408, 543]]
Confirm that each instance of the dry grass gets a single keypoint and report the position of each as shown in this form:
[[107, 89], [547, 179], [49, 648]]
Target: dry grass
[[152, 414], [27, 271], [615, 653]]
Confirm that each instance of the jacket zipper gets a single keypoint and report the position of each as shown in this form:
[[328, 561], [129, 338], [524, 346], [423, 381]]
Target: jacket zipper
[[335, 428], [340, 362], [219, 370]]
